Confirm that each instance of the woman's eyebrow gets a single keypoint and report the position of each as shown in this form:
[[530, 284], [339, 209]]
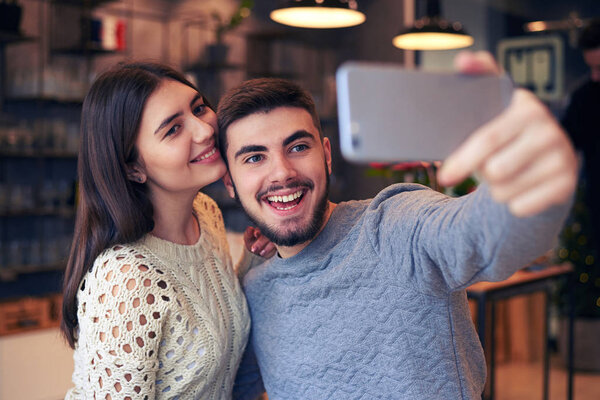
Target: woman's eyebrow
[[167, 120], [196, 97]]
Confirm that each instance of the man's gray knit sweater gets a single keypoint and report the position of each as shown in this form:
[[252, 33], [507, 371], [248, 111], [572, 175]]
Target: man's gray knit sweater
[[375, 307]]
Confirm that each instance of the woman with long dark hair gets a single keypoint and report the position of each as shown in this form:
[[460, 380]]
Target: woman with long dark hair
[[151, 304]]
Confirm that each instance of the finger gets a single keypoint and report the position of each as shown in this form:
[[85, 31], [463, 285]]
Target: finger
[[489, 138], [476, 63], [249, 238], [532, 144], [547, 168], [471, 154], [543, 196], [260, 243], [248, 234], [269, 250]]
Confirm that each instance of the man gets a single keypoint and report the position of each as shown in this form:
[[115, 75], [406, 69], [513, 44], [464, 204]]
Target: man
[[582, 122], [366, 299]]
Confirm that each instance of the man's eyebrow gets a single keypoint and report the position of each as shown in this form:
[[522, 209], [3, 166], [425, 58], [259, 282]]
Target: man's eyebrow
[[167, 120], [290, 139], [298, 135], [249, 149]]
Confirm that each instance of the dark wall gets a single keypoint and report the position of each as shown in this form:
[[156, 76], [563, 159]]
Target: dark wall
[[372, 41], [507, 17]]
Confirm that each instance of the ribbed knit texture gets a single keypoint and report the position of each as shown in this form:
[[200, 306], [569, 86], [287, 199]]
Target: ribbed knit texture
[[162, 320], [375, 307]]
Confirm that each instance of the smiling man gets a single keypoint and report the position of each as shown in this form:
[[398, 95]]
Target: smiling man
[[285, 175], [366, 299]]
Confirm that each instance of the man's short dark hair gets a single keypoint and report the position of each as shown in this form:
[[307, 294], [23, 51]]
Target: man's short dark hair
[[590, 36], [261, 95]]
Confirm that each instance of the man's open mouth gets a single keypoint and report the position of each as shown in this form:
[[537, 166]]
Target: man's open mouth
[[286, 202]]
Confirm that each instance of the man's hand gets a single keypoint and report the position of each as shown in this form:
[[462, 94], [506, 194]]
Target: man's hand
[[258, 244], [523, 154]]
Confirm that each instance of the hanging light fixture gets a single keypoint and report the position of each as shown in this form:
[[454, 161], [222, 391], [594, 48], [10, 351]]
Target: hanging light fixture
[[319, 14], [433, 32]]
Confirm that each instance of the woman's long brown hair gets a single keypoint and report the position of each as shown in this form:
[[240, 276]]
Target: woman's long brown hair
[[112, 209]]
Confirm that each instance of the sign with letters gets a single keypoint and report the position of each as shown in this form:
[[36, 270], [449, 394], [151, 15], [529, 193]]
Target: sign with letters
[[535, 63]]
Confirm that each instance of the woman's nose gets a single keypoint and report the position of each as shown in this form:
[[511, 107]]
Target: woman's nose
[[201, 130]]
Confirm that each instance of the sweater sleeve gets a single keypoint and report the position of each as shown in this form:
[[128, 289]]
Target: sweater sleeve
[[206, 206], [208, 209], [247, 261], [248, 382], [122, 307], [447, 244]]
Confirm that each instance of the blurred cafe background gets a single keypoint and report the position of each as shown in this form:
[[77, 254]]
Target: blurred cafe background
[[51, 50]]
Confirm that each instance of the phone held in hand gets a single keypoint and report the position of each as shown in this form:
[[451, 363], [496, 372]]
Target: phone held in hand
[[391, 114]]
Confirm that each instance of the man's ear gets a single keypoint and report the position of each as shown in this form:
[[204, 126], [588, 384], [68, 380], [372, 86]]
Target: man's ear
[[135, 173], [229, 185], [327, 151]]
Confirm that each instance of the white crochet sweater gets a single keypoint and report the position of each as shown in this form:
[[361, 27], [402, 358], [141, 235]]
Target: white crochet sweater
[[162, 320]]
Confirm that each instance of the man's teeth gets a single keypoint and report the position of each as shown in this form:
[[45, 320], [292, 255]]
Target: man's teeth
[[210, 153], [285, 199]]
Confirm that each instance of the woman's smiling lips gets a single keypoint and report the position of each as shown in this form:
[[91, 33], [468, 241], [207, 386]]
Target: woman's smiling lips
[[206, 156]]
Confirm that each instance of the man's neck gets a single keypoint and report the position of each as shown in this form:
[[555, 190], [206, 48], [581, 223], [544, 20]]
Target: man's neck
[[290, 251]]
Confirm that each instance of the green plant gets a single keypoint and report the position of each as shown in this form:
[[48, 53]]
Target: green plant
[[419, 172], [577, 247], [225, 25]]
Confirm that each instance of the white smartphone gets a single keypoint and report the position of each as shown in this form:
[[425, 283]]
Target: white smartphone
[[389, 114]]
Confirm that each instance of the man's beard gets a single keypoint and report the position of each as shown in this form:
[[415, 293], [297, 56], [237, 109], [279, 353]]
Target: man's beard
[[280, 236]]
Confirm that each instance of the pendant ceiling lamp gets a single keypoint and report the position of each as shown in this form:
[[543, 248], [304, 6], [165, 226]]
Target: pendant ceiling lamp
[[567, 24], [433, 32], [319, 14]]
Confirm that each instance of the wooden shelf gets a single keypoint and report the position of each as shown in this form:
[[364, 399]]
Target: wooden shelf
[[82, 3], [14, 37], [11, 273], [89, 49], [214, 67], [519, 279], [38, 153], [44, 100], [66, 212], [272, 74], [30, 313]]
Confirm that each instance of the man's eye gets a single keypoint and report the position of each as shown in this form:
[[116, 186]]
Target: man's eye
[[299, 147], [254, 159]]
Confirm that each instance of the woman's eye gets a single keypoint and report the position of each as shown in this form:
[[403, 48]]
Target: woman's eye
[[254, 159], [173, 130], [199, 109], [299, 147]]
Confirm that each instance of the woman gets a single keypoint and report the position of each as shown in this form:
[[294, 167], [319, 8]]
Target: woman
[[151, 304]]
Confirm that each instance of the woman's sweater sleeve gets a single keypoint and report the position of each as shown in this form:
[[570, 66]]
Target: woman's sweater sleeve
[[122, 305]]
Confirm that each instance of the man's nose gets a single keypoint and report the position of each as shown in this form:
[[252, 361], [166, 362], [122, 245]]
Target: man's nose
[[282, 169]]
